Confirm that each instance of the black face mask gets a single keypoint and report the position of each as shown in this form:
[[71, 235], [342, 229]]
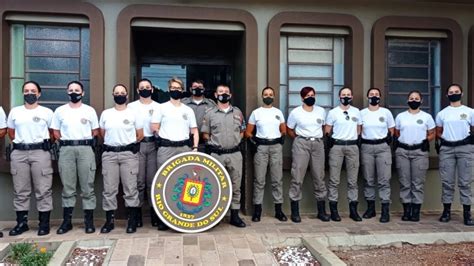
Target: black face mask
[[75, 97], [120, 99], [144, 93], [198, 92], [268, 100], [223, 98], [309, 101], [454, 97], [176, 95], [30, 98], [346, 100], [414, 104], [374, 100]]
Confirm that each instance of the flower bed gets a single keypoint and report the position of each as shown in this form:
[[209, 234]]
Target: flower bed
[[28, 253]]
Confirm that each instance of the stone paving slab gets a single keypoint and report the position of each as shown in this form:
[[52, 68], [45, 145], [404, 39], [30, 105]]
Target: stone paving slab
[[228, 245]]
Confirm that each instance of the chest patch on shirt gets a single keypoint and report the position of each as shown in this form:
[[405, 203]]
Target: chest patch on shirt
[[36, 119], [354, 119], [185, 117], [150, 112], [126, 121], [277, 117], [382, 119], [319, 121], [419, 121], [83, 121], [463, 116]]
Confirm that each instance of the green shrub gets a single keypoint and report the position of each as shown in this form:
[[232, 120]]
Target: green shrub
[[29, 254]]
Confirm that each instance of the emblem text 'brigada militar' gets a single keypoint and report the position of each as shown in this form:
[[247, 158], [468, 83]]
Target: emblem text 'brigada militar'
[[192, 192]]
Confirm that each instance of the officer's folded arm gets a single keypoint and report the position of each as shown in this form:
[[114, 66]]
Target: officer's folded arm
[[11, 133], [291, 132], [249, 130], [3, 132], [139, 134]]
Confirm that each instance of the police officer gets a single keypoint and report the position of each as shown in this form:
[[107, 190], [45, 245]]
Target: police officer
[[146, 107], [28, 128], [75, 125], [3, 131], [223, 128], [306, 125], [414, 129], [199, 104], [121, 129], [454, 129], [376, 157], [271, 131], [343, 124], [173, 124]]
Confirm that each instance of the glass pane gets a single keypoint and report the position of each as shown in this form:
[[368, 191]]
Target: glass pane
[[85, 53], [294, 99], [57, 48], [160, 74], [17, 50], [407, 86], [408, 45], [408, 72], [283, 60], [308, 71], [52, 79], [318, 85], [16, 93], [304, 56], [310, 42], [338, 61], [58, 95], [52, 63], [397, 58], [52, 33], [324, 99]]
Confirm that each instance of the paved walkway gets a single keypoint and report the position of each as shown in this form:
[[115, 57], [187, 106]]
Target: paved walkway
[[228, 245]]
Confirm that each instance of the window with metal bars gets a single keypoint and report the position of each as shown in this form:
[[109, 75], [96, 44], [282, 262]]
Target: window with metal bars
[[413, 64], [52, 56]]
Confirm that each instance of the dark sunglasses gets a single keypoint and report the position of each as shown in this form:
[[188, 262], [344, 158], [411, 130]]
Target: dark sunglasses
[[346, 114]]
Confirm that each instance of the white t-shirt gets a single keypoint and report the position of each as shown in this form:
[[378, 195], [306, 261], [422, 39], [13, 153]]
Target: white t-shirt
[[146, 111], [75, 123], [375, 124], [267, 121], [307, 124], [344, 126], [120, 126], [456, 122], [175, 122], [3, 118], [31, 125], [413, 127]]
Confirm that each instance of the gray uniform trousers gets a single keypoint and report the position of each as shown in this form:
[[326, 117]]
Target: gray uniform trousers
[[28, 166], [233, 164], [304, 152], [411, 166], [77, 162], [146, 170], [119, 167], [458, 158], [336, 158], [268, 157], [164, 153], [376, 163]]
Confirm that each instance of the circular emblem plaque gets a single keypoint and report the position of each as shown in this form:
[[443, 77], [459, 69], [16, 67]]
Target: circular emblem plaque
[[191, 192]]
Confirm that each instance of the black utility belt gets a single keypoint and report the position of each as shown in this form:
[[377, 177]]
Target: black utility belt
[[169, 143], [148, 139], [214, 149], [456, 143], [374, 141], [410, 147], [134, 147], [29, 146], [261, 141], [345, 142], [79, 142]]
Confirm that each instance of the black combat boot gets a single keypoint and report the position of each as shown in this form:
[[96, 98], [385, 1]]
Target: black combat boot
[[279, 213], [385, 216], [89, 221], [353, 211], [43, 223], [333, 210], [322, 215], [153, 217], [370, 212], [139, 217], [467, 215], [446, 216], [132, 220], [407, 211], [109, 222], [257, 212], [295, 212], [21, 224], [415, 212], [67, 221], [235, 219]]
